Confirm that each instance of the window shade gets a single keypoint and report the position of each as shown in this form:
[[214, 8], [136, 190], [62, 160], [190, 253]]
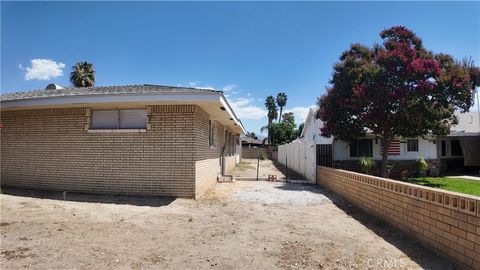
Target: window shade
[[105, 119], [133, 119]]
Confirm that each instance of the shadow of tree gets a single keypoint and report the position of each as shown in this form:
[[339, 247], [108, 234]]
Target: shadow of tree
[[423, 182], [153, 201], [416, 251], [300, 187], [426, 257], [293, 175]]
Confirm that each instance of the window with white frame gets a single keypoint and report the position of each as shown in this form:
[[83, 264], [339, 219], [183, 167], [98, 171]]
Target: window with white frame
[[212, 135], [412, 145], [119, 119]]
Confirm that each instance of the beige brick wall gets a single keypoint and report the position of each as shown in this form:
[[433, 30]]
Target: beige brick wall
[[253, 153], [445, 221], [229, 164], [206, 173], [207, 159], [50, 149]]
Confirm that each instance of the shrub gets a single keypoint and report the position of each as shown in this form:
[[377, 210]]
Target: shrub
[[390, 167], [262, 156], [422, 165], [366, 163]]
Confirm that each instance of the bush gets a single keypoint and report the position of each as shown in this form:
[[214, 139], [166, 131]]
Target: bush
[[366, 163], [390, 167], [422, 165], [262, 156]]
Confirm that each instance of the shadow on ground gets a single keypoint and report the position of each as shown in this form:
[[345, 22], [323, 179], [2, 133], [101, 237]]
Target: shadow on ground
[[291, 175], [424, 183], [153, 201], [416, 251], [301, 187]]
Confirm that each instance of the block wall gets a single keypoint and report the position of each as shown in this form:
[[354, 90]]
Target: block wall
[[447, 222]]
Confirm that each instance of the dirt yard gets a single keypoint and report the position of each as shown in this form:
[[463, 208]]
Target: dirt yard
[[239, 225], [248, 170]]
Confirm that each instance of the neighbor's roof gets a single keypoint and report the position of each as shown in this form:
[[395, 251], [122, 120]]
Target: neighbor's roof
[[468, 124], [106, 90]]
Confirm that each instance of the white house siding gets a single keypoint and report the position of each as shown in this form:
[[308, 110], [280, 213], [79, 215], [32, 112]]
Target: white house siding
[[311, 132], [426, 149]]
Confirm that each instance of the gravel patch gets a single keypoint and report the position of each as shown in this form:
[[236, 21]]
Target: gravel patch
[[281, 193]]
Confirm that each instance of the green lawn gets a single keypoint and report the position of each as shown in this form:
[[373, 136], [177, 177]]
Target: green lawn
[[461, 185]]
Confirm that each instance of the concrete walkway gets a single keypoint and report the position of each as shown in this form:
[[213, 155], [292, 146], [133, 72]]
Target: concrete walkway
[[469, 177]]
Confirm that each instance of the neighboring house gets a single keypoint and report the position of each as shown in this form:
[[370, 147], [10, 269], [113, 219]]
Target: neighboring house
[[311, 130], [253, 142], [252, 148], [460, 150], [457, 152], [139, 139]]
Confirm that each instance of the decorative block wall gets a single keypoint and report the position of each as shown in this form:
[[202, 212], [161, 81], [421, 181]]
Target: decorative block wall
[[447, 222]]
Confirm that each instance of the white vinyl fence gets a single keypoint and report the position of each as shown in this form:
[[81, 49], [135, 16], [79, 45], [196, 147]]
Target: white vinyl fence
[[300, 157]]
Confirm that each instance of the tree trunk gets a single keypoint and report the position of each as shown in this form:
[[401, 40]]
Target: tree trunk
[[280, 116], [270, 131], [385, 145]]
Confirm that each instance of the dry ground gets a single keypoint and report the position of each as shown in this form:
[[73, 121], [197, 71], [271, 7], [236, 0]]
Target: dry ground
[[248, 170], [239, 225]]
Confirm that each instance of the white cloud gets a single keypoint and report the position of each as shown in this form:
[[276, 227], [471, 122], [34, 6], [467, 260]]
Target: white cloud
[[245, 109], [300, 113], [206, 87], [200, 85], [230, 87], [43, 69], [195, 84], [20, 66]]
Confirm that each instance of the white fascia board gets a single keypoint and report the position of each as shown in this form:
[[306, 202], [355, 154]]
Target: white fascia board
[[92, 99], [231, 113], [99, 99]]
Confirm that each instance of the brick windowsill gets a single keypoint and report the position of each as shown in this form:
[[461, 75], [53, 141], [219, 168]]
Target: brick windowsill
[[116, 130]]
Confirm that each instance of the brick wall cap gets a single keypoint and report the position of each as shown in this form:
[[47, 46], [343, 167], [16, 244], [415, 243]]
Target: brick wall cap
[[452, 193]]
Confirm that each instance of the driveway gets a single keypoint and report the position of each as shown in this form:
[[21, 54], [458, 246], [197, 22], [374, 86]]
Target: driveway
[[239, 225]]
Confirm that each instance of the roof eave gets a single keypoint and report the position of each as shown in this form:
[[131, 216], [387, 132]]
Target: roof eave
[[86, 100]]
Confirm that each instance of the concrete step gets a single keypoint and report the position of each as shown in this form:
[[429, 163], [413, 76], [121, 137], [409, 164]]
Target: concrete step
[[225, 178]]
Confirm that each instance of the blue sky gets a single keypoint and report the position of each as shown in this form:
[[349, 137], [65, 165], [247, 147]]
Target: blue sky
[[249, 49]]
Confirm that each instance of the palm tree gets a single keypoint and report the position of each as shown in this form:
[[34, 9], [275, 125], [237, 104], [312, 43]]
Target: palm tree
[[272, 114], [251, 136], [82, 75], [281, 102]]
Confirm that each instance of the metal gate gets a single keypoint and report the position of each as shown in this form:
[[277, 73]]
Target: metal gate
[[324, 155]]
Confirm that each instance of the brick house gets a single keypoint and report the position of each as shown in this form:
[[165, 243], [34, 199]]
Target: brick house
[[140, 139]]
